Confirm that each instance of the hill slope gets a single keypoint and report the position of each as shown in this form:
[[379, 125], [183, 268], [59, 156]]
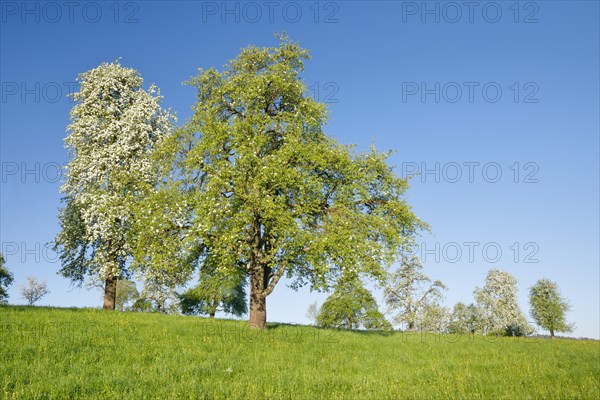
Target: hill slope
[[84, 353]]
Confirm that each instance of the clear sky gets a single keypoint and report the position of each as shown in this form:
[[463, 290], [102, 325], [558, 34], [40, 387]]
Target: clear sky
[[496, 103]]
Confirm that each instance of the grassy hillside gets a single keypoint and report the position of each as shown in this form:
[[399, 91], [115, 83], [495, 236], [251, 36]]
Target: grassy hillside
[[76, 353]]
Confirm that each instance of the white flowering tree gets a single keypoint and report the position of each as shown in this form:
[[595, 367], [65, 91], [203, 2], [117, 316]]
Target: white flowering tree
[[497, 306], [33, 290], [115, 125], [414, 297]]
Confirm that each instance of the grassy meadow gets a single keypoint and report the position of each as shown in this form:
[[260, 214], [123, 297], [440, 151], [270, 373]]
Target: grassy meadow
[[50, 353]]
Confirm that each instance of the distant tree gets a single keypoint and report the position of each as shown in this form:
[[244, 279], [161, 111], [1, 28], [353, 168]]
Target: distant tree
[[6, 279], [498, 307], [114, 126], [312, 313], [142, 305], [216, 292], [548, 307], [33, 290], [433, 317], [410, 293], [159, 291], [463, 319], [127, 293], [351, 306]]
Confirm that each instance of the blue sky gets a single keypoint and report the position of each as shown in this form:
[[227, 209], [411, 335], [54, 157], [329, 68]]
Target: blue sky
[[461, 94]]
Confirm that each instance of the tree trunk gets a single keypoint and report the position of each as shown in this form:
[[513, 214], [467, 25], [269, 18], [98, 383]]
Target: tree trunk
[[110, 293], [258, 302], [551, 333]]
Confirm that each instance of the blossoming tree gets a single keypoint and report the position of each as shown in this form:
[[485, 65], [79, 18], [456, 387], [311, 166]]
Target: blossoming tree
[[115, 124]]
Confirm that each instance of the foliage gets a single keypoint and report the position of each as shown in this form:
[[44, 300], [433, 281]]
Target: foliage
[[463, 319], [497, 306], [127, 294], [160, 292], [69, 354], [259, 184], [33, 290], [6, 279], [216, 292], [114, 126], [548, 307], [412, 295], [433, 317], [351, 306], [142, 305], [312, 313]]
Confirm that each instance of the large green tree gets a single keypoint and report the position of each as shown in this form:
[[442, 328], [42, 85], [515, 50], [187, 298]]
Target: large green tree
[[259, 185], [115, 123], [548, 307], [6, 278]]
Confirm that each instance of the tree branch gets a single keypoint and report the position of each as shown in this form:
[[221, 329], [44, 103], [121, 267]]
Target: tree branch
[[276, 277]]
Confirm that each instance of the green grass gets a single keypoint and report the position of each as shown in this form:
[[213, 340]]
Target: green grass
[[48, 353]]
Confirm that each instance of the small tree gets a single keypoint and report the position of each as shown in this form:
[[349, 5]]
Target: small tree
[[351, 306], [433, 317], [312, 313], [548, 307], [127, 293], [411, 293], [6, 279], [33, 290], [159, 291], [142, 305], [463, 319], [216, 292], [498, 307]]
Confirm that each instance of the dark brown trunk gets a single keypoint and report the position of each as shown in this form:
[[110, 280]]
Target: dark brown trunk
[[212, 308], [110, 293], [551, 333], [258, 302]]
